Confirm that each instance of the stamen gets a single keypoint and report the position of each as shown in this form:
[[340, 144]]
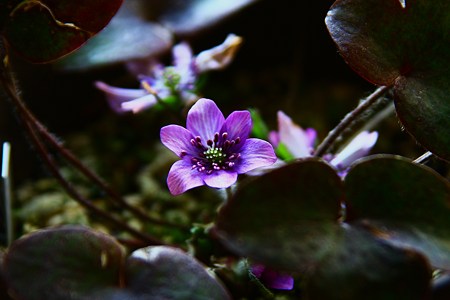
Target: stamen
[[224, 135], [209, 143], [183, 153], [216, 137], [237, 140]]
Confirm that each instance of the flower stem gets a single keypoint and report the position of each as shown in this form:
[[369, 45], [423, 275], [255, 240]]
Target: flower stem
[[333, 135], [51, 164]]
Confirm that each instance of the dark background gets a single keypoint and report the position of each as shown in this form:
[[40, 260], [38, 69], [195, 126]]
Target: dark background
[[287, 61]]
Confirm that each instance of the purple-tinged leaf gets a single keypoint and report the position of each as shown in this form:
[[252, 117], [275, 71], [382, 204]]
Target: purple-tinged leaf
[[406, 47], [42, 31]]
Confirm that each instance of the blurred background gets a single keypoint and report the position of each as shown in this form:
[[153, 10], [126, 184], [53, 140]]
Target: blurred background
[[287, 61]]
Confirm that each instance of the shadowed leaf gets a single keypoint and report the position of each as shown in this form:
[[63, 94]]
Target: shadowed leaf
[[63, 263], [42, 31], [404, 47], [296, 206], [404, 203], [361, 267]]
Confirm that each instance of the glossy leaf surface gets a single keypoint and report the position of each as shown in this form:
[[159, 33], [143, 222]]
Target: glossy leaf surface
[[408, 48], [404, 203], [42, 31], [63, 263]]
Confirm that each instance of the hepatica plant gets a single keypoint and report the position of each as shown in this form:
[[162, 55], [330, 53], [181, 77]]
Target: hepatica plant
[[311, 219], [213, 150]]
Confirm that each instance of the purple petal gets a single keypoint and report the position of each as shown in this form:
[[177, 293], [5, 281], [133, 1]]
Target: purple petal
[[220, 56], [293, 136], [116, 96], [182, 56], [311, 135], [255, 153], [182, 178], [220, 179], [177, 139], [139, 104], [238, 124], [276, 280], [204, 119], [357, 148], [274, 138]]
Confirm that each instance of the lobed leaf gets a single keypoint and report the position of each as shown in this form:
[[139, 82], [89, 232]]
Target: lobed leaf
[[403, 203]]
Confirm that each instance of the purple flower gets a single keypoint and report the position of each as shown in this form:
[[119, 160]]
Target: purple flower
[[177, 80], [272, 279], [213, 150], [300, 143]]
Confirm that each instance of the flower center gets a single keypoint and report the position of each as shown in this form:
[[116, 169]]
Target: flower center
[[216, 155]]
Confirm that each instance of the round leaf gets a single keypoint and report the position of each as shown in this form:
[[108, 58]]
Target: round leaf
[[404, 203], [405, 47], [63, 263], [287, 218], [162, 272]]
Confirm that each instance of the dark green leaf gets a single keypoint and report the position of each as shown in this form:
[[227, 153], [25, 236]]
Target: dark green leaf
[[407, 48], [168, 273], [287, 218], [63, 263], [404, 203]]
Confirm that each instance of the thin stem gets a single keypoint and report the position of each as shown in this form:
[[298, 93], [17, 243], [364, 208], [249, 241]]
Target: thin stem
[[74, 161], [328, 142], [423, 158], [40, 147]]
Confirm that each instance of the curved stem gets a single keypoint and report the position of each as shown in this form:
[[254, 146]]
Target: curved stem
[[74, 161], [77, 196], [328, 142]]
